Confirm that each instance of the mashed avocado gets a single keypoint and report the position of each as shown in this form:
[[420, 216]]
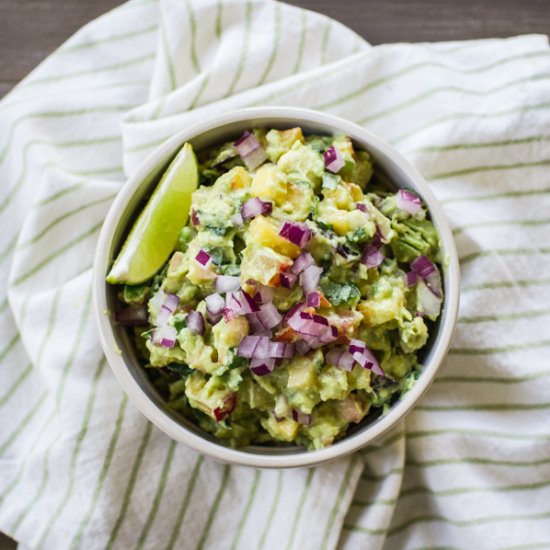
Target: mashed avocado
[[298, 296]]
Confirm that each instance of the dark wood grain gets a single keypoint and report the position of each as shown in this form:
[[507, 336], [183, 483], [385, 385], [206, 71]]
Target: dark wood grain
[[31, 29], [380, 21]]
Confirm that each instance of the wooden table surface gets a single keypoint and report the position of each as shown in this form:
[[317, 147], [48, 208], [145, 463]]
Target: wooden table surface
[[32, 29]]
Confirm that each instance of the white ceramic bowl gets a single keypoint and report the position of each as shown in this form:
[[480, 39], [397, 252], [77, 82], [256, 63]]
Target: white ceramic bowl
[[119, 349]]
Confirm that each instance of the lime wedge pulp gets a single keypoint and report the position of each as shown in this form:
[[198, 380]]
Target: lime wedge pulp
[[155, 233]]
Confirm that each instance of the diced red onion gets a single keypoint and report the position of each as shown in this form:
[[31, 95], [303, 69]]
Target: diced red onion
[[171, 302], [293, 311], [194, 217], [269, 316], [255, 158], [303, 261], [237, 219], [288, 280], [428, 271], [214, 303], [248, 345], [203, 258], [372, 256], [256, 326], [162, 316], [410, 278], [357, 345], [319, 319], [314, 342], [232, 306], [168, 307], [362, 354], [195, 322], [423, 266], [164, 336], [301, 418], [157, 300], [313, 299], [213, 318], [262, 348], [248, 304], [309, 278], [227, 283], [297, 233], [330, 335], [333, 159], [302, 347], [246, 143], [261, 367], [264, 294], [428, 302], [408, 202], [132, 316], [340, 358], [316, 326], [433, 280], [255, 207], [251, 150], [361, 206], [280, 350]]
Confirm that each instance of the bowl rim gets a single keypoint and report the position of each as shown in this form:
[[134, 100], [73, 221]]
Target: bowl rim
[[178, 431]]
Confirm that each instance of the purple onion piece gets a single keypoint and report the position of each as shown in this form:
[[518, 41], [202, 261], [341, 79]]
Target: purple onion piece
[[248, 304], [227, 283], [309, 278], [410, 278], [297, 233], [372, 256], [301, 418], [194, 217], [195, 322], [203, 257], [171, 302], [255, 207], [408, 202], [313, 299], [214, 304], [162, 316], [247, 346], [255, 158], [164, 336], [237, 219], [269, 316], [333, 159], [303, 261], [246, 144], [428, 302], [423, 266], [288, 280]]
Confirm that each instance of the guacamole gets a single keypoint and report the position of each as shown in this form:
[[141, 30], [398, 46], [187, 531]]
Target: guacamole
[[298, 296]]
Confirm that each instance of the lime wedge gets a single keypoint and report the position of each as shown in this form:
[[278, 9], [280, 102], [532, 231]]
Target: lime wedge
[[155, 233]]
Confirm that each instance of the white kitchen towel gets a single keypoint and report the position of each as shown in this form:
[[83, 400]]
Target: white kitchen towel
[[81, 468]]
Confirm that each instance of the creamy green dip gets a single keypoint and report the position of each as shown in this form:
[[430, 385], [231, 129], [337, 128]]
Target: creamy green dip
[[334, 315]]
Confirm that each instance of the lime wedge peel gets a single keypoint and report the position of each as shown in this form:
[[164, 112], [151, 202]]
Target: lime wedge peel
[[155, 232]]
